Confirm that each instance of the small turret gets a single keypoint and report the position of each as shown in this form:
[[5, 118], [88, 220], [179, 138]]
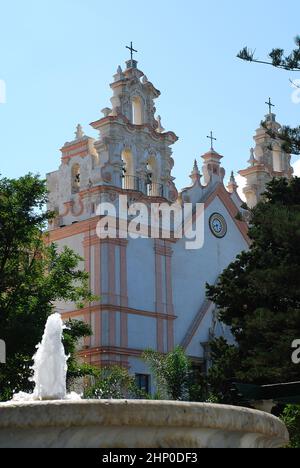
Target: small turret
[[232, 186], [196, 175], [267, 159]]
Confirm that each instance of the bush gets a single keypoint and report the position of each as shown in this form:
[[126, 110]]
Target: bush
[[291, 418], [113, 383]]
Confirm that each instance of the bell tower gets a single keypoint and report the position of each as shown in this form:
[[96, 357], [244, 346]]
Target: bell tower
[[267, 160], [131, 154], [134, 150]]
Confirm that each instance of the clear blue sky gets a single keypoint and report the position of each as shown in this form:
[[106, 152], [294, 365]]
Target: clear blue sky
[[57, 58]]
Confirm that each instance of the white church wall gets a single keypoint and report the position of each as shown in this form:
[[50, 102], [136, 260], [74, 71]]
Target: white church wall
[[141, 274], [74, 243], [141, 332], [195, 348], [118, 329], [192, 269], [104, 269]]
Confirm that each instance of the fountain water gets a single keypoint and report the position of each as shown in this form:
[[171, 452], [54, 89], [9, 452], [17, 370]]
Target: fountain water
[[50, 366]]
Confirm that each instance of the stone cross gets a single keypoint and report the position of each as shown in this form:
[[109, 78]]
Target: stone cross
[[269, 103], [212, 139], [131, 50]]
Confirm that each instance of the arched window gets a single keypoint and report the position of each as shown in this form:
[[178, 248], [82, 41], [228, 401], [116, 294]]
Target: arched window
[[128, 179], [137, 111], [154, 188], [152, 168], [76, 178]]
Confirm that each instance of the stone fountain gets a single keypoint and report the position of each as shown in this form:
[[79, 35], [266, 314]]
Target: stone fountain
[[49, 418]]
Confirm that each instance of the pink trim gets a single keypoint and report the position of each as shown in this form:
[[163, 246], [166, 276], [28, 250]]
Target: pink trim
[[124, 295], [98, 315], [68, 207], [159, 303], [170, 307], [123, 310], [87, 314], [170, 137], [81, 209], [194, 326], [232, 209], [112, 291], [123, 275]]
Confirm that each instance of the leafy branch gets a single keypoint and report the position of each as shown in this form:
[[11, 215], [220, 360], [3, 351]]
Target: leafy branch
[[278, 59]]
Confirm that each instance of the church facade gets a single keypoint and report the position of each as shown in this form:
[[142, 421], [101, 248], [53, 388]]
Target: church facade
[[151, 290]]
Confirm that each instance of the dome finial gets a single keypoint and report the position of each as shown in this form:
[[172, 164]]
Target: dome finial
[[79, 132], [232, 186], [196, 174], [252, 161]]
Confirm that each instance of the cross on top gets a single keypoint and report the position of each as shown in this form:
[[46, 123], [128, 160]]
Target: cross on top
[[269, 103], [212, 139], [131, 50]]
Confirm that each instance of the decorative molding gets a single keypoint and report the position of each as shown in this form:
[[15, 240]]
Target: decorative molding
[[232, 209], [194, 326], [117, 308]]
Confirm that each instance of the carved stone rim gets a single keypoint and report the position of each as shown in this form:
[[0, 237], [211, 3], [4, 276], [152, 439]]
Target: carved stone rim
[[141, 413]]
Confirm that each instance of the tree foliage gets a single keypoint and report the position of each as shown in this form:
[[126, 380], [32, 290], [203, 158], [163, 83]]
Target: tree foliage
[[277, 57], [259, 294], [287, 136], [291, 418], [173, 375], [33, 276]]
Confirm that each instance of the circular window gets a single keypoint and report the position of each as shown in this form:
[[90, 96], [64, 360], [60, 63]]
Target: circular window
[[218, 225]]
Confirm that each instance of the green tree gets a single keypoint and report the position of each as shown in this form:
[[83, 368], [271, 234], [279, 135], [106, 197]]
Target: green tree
[[33, 275], [277, 57], [113, 383], [291, 418], [173, 374], [220, 376], [259, 294]]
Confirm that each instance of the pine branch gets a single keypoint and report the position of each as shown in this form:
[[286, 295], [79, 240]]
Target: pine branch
[[278, 58]]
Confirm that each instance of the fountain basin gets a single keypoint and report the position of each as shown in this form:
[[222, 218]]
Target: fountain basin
[[136, 424]]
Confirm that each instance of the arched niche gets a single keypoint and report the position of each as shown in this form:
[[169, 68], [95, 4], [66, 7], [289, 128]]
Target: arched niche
[[152, 168], [154, 187], [127, 159], [137, 110], [128, 179], [277, 160], [76, 178]]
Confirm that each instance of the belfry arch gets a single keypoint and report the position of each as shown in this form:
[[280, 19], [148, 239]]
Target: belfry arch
[[76, 178], [128, 176], [137, 110]]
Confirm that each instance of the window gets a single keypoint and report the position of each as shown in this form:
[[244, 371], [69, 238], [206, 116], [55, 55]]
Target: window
[[143, 382]]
